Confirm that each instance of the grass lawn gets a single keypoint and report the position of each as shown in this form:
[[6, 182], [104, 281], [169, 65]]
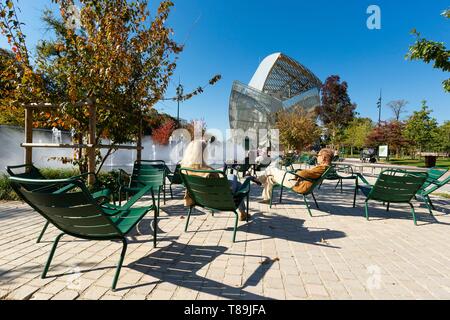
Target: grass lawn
[[442, 163]]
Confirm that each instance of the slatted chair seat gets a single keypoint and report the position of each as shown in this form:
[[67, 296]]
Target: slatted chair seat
[[310, 191], [214, 192], [76, 213], [394, 186], [29, 171]]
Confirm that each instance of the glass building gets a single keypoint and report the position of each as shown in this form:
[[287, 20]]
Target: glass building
[[280, 82]]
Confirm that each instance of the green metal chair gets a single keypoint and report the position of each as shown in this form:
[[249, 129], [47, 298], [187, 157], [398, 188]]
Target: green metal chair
[[394, 186], [315, 183], [214, 193], [173, 177], [432, 184], [145, 173], [340, 173], [29, 171], [75, 212]]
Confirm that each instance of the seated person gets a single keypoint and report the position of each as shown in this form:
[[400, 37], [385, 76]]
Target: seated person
[[274, 175], [195, 158]]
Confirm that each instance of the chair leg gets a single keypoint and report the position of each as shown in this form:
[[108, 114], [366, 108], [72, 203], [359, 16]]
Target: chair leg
[[337, 184], [43, 231], [119, 265], [281, 193], [431, 203], [187, 220], [50, 257], [171, 192], [387, 208], [164, 193], [366, 208], [315, 201], [341, 185], [307, 206], [235, 226], [155, 226], [248, 200], [355, 192], [428, 204], [159, 198], [413, 213], [318, 188]]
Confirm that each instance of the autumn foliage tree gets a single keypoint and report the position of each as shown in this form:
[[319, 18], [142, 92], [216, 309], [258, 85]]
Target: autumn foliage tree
[[162, 134], [297, 128], [336, 110], [388, 133], [115, 52]]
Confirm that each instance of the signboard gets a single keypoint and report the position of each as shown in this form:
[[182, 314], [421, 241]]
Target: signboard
[[383, 151]]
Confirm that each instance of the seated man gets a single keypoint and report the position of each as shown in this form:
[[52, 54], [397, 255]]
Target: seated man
[[274, 175]]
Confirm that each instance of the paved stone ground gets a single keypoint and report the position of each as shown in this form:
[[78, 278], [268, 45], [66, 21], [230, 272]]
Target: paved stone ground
[[282, 253]]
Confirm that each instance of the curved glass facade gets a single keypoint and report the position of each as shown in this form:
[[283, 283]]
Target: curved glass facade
[[279, 82]]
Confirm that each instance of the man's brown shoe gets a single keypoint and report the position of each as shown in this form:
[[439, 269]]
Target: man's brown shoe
[[243, 216]]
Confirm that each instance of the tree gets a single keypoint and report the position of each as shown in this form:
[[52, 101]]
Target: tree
[[444, 137], [397, 107], [114, 52], [356, 133], [336, 110], [389, 133], [422, 130], [162, 134], [428, 51], [297, 129]]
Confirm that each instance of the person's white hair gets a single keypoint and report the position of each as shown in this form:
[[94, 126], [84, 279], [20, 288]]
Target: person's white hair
[[194, 155]]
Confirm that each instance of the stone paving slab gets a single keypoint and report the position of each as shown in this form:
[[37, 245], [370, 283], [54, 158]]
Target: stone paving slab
[[282, 253]]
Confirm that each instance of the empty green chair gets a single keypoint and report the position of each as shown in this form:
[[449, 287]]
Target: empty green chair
[[173, 177], [340, 173], [145, 173], [315, 184], [214, 192], [394, 186], [78, 214], [431, 185], [29, 171]]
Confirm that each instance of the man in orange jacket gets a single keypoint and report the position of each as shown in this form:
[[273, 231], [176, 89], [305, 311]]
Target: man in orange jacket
[[274, 175]]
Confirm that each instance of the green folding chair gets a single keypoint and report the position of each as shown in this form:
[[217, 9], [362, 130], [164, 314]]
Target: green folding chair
[[173, 177], [394, 186], [431, 185], [75, 212], [315, 184], [29, 171], [145, 173], [214, 193]]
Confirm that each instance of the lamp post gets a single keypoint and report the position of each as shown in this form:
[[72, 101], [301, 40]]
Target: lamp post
[[379, 109]]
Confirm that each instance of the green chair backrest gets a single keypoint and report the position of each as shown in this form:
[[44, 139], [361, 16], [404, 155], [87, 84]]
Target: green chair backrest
[[27, 171], [75, 213], [433, 175], [208, 192], [397, 185], [148, 173]]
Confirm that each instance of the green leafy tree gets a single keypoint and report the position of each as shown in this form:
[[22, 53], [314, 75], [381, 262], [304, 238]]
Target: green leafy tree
[[432, 51], [422, 130], [444, 137], [356, 133]]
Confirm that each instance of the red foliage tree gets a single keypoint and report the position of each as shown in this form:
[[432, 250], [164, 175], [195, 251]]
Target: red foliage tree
[[389, 133], [162, 134]]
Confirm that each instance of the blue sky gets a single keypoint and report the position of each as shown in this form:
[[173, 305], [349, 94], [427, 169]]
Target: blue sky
[[329, 37]]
